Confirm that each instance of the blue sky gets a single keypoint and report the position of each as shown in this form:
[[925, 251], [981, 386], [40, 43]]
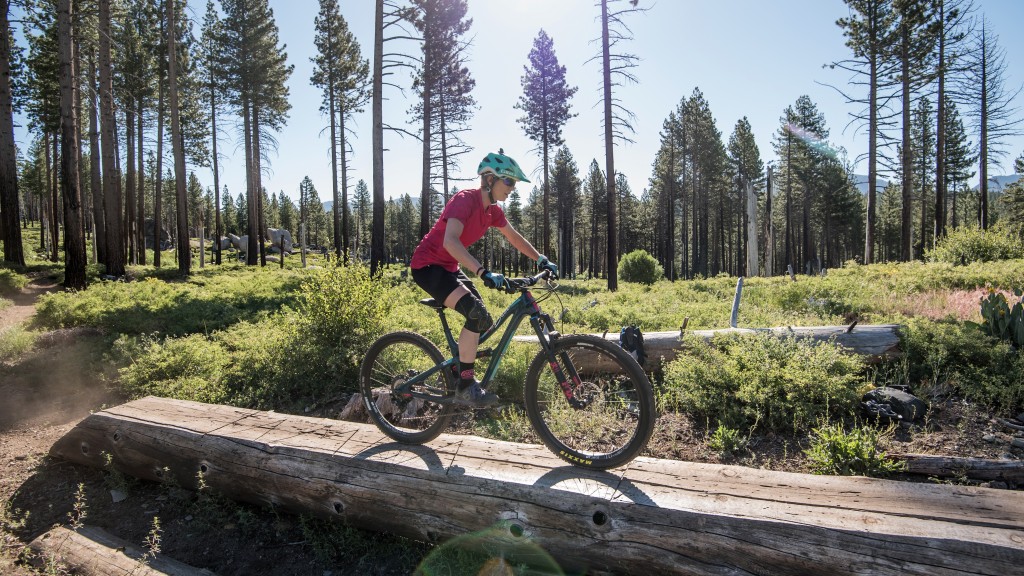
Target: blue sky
[[749, 57]]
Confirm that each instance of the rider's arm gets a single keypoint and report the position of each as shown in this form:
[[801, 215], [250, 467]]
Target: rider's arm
[[518, 242], [452, 232]]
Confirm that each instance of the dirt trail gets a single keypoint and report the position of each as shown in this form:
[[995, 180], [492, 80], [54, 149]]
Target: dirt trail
[[25, 302]]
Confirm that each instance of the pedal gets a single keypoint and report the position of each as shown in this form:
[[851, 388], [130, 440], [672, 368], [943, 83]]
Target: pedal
[[484, 353]]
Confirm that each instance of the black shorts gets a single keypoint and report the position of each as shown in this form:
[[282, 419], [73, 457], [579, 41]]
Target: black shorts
[[440, 283]]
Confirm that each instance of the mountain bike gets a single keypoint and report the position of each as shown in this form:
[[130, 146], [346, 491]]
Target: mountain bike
[[587, 399]]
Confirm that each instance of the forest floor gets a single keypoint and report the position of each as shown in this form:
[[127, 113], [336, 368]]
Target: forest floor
[[64, 379]]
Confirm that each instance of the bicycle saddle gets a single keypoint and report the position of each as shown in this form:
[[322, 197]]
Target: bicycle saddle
[[432, 303]]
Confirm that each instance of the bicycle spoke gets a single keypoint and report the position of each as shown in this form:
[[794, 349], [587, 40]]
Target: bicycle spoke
[[609, 418], [408, 412]]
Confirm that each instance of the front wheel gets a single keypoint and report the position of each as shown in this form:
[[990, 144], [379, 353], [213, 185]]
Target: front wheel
[[409, 414], [613, 416]]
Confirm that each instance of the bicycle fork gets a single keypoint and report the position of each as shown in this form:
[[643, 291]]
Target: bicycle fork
[[546, 333]]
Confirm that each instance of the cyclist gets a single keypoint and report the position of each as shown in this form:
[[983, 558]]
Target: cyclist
[[435, 263]]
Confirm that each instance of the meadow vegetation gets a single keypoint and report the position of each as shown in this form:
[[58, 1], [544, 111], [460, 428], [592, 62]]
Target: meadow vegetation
[[290, 339]]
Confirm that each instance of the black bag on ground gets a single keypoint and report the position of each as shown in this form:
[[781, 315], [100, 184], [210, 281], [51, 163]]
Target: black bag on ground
[[632, 340]]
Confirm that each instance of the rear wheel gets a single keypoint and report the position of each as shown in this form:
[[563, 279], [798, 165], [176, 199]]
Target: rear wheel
[[615, 416], [391, 361]]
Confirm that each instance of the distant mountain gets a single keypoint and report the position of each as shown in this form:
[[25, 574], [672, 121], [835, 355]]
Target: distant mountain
[[861, 182], [999, 183]]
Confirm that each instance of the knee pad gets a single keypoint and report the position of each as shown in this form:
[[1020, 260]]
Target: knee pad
[[478, 319]]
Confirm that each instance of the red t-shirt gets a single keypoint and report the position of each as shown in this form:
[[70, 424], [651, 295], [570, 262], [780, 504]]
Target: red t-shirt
[[466, 207]]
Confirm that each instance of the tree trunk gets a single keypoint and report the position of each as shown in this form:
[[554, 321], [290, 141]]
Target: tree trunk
[[769, 227], [344, 188], [609, 151], [216, 172], [92, 551], [158, 196], [939, 229], [257, 172], [55, 215], [336, 208], [74, 248], [177, 145], [425, 222], [129, 181], [10, 208], [95, 182], [906, 215], [377, 234], [252, 223], [111, 176], [983, 144], [140, 218], [654, 517], [873, 56]]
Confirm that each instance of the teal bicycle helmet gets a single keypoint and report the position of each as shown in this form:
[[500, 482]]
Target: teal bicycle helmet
[[500, 165]]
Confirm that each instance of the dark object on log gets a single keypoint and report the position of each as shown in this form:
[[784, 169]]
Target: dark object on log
[[956, 467], [875, 341], [656, 517], [92, 550]]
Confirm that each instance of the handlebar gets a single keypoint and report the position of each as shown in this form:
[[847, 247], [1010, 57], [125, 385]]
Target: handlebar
[[513, 285]]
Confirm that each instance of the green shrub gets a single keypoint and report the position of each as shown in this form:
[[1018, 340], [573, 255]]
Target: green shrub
[[782, 384], [952, 357], [726, 441], [11, 281], [208, 301], [835, 451], [968, 244], [14, 342], [640, 267], [341, 311], [286, 361]]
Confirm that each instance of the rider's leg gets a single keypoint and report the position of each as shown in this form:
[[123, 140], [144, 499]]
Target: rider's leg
[[468, 340], [478, 320]]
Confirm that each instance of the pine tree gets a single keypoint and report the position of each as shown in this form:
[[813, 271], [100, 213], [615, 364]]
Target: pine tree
[[566, 181], [951, 20], [10, 208], [111, 174], [916, 33], [545, 102], [74, 240], [256, 81], [445, 88], [362, 208], [869, 31], [342, 73], [746, 160], [959, 157], [212, 74]]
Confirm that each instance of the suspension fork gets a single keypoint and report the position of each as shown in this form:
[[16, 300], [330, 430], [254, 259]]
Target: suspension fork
[[546, 334]]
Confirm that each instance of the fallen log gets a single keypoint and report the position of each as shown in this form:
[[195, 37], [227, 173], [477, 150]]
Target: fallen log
[[93, 551], [874, 341], [653, 517], [956, 467]]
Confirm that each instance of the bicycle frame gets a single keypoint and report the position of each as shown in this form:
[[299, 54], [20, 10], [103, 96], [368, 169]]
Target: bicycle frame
[[523, 306]]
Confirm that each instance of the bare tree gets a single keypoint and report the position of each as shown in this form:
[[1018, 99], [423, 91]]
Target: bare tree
[[617, 119], [991, 106]]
